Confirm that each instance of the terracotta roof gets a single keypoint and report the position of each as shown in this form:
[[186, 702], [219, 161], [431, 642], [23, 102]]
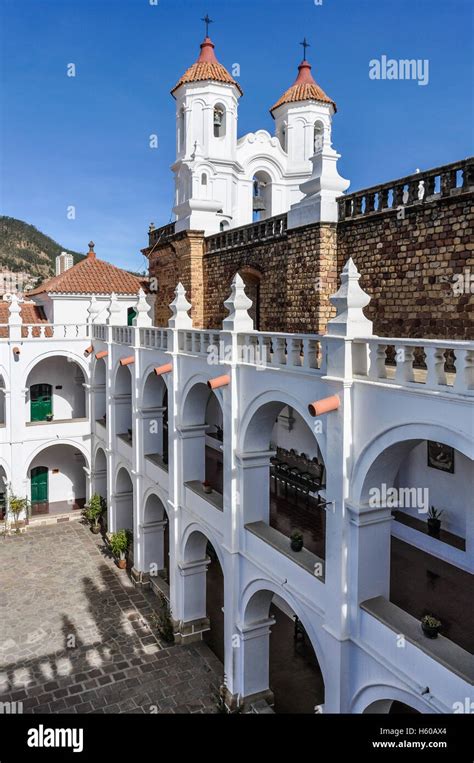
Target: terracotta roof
[[207, 68], [304, 89], [30, 314], [92, 276]]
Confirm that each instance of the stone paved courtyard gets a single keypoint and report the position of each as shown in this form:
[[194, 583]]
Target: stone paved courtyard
[[77, 636]]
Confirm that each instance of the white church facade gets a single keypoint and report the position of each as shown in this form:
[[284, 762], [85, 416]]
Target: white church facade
[[223, 181]]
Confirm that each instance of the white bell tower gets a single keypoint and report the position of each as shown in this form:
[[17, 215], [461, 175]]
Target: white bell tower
[[206, 145]]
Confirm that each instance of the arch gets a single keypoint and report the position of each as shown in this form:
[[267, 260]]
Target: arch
[[153, 390], [369, 695], [56, 388], [264, 163], [3, 491], [203, 591], [384, 454], [194, 400], [191, 551], [122, 377], [78, 446], [123, 480], [318, 135], [262, 195], [262, 668], [81, 362], [165, 378], [57, 478], [252, 435], [219, 117], [154, 507]]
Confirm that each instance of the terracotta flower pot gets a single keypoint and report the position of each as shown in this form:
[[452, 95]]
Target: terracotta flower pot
[[122, 564]]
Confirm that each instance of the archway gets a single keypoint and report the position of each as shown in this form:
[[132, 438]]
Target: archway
[[287, 489], [280, 656], [203, 593], [56, 390], [156, 544], [123, 501], [57, 480], [262, 195], [203, 450], [100, 391], [154, 411], [426, 565], [100, 473], [123, 402]]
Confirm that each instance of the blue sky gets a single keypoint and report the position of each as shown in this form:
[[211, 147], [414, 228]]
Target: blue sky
[[84, 141]]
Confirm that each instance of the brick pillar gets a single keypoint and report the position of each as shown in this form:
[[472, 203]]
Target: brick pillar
[[178, 259]]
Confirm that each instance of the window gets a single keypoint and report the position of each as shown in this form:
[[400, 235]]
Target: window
[[219, 121], [318, 136], [283, 137], [203, 179]]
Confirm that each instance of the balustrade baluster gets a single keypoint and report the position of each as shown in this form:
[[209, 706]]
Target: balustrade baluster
[[434, 359], [404, 355], [377, 369]]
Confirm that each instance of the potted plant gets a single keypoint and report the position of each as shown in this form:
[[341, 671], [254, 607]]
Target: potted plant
[[49, 417], [17, 506], [119, 543], [296, 539], [434, 521], [430, 626], [207, 487], [93, 512]]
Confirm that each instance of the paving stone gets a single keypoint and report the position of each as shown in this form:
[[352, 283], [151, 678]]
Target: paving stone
[[64, 645]]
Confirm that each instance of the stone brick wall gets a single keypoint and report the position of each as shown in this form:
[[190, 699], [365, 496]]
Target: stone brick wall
[[408, 266], [178, 260], [298, 273]]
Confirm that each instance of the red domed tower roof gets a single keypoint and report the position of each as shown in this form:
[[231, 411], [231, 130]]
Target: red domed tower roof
[[207, 69], [304, 89]]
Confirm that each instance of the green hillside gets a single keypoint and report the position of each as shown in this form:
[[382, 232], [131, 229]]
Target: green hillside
[[23, 248]]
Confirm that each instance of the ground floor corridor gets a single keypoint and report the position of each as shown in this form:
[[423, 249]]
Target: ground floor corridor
[[76, 636]]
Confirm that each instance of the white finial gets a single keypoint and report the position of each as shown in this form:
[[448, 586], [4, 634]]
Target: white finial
[[14, 309], [349, 300], [238, 305], [142, 318], [179, 307], [94, 309], [114, 311]]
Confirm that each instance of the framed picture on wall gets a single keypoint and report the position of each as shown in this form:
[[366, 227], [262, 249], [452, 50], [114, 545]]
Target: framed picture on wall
[[440, 456]]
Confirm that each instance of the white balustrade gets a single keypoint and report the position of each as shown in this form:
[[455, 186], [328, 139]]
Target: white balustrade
[[431, 364]]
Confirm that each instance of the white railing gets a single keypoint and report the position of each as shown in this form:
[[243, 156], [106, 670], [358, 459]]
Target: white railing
[[431, 364], [196, 342], [296, 351], [306, 352], [154, 338], [99, 331], [122, 334], [48, 331]]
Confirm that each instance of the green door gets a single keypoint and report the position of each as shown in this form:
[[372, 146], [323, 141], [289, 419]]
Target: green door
[[39, 489], [41, 401], [131, 314]]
